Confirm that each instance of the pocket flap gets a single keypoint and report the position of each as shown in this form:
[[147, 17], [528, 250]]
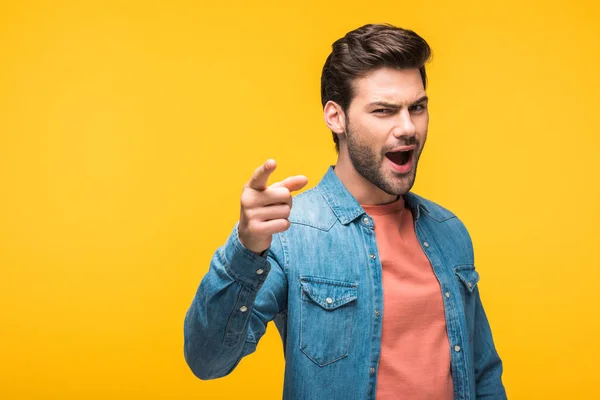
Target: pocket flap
[[468, 276], [329, 294]]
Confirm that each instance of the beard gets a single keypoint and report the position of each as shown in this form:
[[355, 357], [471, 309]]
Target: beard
[[370, 164]]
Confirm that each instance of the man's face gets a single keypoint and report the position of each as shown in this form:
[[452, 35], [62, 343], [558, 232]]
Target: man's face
[[386, 128]]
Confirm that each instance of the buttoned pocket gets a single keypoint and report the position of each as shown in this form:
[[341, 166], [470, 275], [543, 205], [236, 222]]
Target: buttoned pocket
[[468, 276], [327, 317]]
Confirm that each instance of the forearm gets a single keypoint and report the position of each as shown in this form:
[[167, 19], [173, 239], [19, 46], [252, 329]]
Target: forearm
[[217, 322]]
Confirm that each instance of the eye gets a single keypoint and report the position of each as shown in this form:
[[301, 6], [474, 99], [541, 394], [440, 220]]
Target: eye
[[417, 108], [381, 111]]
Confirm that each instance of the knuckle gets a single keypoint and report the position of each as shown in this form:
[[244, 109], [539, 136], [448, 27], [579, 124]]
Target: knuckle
[[245, 197], [253, 227], [248, 199], [249, 214], [271, 195], [286, 210], [284, 195]]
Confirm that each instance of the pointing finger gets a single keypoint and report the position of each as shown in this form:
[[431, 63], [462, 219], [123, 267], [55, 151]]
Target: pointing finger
[[261, 175]]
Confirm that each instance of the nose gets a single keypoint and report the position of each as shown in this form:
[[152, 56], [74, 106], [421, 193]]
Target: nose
[[405, 126]]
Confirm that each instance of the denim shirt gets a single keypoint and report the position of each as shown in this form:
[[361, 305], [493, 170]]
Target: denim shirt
[[320, 282]]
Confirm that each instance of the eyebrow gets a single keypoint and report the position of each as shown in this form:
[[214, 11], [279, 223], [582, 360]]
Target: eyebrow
[[396, 106]]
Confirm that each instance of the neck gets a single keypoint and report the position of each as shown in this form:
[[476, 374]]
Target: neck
[[362, 189]]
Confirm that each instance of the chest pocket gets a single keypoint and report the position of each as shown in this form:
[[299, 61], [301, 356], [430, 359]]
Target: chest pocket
[[468, 276], [327, 316]]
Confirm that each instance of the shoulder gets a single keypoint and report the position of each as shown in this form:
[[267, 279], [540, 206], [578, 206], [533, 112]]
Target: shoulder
[[309, 208], [437, 213], [444, 224], [432, 209]]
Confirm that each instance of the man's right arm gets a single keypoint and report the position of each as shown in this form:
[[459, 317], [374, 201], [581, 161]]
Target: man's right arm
[[239, 295], [243, 290]]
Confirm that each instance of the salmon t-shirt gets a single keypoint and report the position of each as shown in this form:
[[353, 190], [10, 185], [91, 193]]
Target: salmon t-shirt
[[415, 351]]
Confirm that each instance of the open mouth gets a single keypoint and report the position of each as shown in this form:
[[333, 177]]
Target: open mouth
[[400, 157]]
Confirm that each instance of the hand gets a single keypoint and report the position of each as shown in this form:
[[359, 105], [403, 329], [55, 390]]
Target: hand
[[265, 209]]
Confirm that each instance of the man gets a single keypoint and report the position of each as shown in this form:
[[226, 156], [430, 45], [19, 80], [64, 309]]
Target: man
[[372, 288]]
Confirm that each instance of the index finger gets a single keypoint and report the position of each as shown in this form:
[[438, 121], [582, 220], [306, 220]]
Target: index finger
[[261, 175]]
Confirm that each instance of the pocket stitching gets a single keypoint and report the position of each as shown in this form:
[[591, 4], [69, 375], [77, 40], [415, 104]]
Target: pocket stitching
[[305, 289], [464, 279], [334, 305]]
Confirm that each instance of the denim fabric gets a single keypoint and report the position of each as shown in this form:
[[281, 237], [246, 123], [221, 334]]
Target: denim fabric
[[320, 282]]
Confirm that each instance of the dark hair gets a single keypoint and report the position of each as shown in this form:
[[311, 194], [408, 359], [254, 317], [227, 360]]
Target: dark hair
[[364, 50]]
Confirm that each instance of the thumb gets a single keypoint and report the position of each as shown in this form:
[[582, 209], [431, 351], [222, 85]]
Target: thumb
[[293, 183]]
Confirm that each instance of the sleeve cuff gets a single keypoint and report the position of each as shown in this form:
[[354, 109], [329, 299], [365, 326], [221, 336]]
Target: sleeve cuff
[[245, 266]]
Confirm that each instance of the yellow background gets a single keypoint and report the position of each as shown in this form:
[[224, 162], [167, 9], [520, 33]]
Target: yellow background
[[128, 128]]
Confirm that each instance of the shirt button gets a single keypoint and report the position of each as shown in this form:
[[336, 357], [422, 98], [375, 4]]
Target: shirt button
[[243, 308], [372, 370], [328, 300], [448, 294], [260, 271], [457, 348], [366, 220], [470, 285], [425, 244], [377, 313], [372, 256]]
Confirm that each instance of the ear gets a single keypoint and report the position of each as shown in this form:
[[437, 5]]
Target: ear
[[334, 117]]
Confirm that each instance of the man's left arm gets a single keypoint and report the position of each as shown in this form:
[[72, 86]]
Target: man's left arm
[[488, 366]]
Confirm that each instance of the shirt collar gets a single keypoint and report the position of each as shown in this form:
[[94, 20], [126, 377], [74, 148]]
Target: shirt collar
[[345, 206]]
